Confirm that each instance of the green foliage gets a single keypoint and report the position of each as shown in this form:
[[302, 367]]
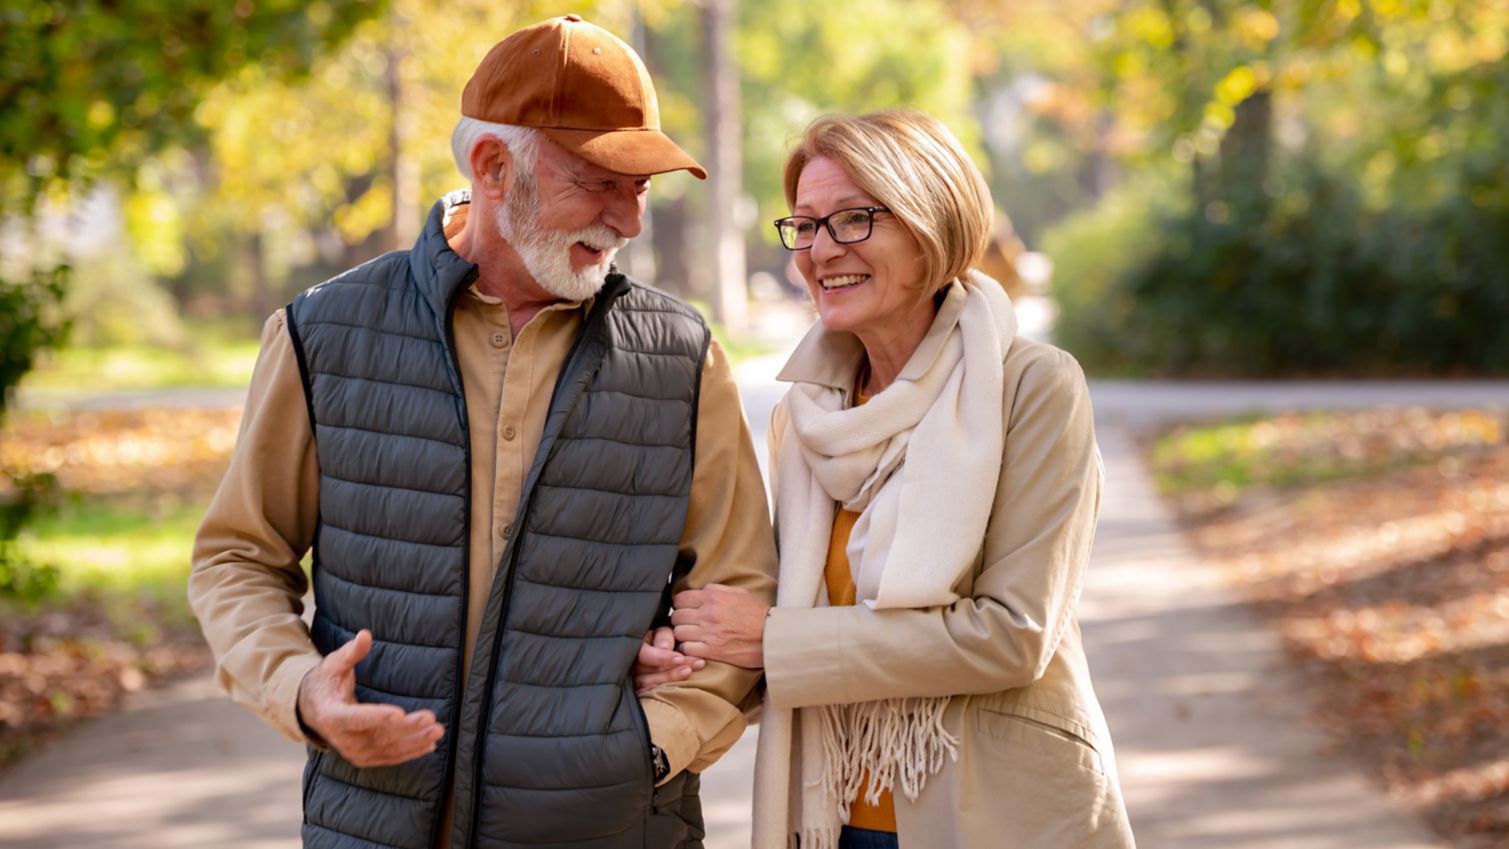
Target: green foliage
[[22, 579], [27, 324], [112, 300], [1309, 283], [1342, 210], [92, 88], [798, 61], [1092, 252], [95, 84]]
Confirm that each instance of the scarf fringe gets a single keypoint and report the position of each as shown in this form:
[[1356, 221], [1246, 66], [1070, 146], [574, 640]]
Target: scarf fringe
[[898, 743], [817, 838]]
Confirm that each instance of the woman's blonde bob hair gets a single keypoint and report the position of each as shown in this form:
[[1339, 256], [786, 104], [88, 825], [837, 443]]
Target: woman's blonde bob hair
[[911, 164]]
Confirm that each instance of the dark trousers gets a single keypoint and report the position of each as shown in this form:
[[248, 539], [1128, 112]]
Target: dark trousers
[[863, 838]]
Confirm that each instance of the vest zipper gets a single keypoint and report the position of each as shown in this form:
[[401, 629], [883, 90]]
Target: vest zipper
[[453, 730], [485, 722], [520, 522]]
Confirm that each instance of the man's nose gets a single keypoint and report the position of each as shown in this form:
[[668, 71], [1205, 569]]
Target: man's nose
[[624, 211]]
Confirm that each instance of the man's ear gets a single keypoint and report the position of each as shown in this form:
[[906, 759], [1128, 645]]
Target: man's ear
[[492, 168]]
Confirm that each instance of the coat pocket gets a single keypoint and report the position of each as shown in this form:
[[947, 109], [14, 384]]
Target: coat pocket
[[676, 814], [1055, 738], [1047, 780]]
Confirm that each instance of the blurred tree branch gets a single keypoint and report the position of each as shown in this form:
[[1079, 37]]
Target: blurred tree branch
[[91, 89]]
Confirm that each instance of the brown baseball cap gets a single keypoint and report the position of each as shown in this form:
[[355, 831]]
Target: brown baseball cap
[[583, 88]]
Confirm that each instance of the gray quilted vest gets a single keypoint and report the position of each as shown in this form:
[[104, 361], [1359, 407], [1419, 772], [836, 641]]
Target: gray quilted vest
[[547, 746]]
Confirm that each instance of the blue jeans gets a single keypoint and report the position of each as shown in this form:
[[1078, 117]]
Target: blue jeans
[[863, 838]]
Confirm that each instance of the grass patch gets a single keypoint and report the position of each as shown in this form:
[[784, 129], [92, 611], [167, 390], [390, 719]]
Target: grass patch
[[218, 364], [118, 554], [1218, 462]]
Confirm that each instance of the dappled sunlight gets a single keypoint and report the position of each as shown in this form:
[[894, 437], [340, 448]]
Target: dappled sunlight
[[1390, 586]]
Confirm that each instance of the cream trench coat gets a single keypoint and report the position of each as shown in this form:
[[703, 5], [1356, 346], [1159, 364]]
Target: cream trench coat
[[1035, 768]]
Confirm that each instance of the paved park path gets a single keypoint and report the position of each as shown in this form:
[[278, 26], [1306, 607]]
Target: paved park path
[[1213, 747]]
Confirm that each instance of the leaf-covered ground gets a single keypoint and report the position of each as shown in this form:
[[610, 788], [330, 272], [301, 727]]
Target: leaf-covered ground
[[134, 485], [1378, 544]]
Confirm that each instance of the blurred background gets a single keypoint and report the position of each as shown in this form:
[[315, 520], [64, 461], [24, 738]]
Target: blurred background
[[1187, 190]]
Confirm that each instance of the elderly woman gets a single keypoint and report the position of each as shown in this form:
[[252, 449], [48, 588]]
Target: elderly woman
[[937, 483]]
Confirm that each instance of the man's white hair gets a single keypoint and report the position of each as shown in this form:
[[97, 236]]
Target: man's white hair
[[523, 143]]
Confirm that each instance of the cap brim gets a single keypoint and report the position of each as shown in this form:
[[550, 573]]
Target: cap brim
[[627, 151]]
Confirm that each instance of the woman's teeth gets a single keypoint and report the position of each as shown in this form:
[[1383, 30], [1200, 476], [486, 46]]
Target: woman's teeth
[[845, 281]]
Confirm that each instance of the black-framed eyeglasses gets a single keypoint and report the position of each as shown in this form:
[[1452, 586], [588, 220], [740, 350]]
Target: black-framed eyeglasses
[[846, 226]]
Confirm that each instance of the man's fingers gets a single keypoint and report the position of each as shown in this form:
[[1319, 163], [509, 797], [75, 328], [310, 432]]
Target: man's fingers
[[663, 638], [396, 752], [654, 658], [365, 718], [382, 735], [645, 683], [349, 655], [421, 721], [688, 599], [696, 648]]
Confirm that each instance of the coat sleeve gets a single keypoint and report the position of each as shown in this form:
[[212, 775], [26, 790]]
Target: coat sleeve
[[727, 540], [1035, 550]]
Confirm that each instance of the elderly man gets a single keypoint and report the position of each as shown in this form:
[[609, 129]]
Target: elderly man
[[505, 456]]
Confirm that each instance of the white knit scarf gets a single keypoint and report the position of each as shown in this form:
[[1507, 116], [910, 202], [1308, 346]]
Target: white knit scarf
[[920, 461]]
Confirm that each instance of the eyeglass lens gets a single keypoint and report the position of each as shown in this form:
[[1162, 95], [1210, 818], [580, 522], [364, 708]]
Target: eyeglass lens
[[845, 225]]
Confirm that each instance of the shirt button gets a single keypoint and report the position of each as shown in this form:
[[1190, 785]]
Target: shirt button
[[509, 433], [499, 340], [507, 531]]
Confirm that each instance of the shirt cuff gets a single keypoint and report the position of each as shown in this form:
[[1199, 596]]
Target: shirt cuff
[[672, 732], [282, 699]]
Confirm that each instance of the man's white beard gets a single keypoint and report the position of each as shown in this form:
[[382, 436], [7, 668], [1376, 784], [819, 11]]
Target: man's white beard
[[547, 253]]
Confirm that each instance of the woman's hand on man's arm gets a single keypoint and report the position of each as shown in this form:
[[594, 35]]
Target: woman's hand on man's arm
[[721, 623]]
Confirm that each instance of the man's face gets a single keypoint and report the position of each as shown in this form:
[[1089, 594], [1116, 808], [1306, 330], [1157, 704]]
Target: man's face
[[569, 218]]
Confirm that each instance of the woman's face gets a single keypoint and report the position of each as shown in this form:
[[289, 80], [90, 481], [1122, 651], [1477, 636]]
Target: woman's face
[[873, 288]]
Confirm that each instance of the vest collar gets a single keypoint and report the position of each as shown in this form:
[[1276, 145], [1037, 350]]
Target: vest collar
[[439, 271]]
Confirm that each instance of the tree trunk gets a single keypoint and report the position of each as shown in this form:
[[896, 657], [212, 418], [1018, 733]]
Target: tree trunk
[[723, 163], [637, 259], [403, 226], [1248, 147], [673, 272], [260, 296]]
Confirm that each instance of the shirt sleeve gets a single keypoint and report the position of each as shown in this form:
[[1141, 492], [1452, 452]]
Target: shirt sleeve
[[728, 541], [247, 586], [1002, 636]]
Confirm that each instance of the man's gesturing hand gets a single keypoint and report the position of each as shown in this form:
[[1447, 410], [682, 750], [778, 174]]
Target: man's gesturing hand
[[364, 734]]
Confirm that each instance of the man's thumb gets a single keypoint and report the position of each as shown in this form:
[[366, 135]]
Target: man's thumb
[[350, 654]]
